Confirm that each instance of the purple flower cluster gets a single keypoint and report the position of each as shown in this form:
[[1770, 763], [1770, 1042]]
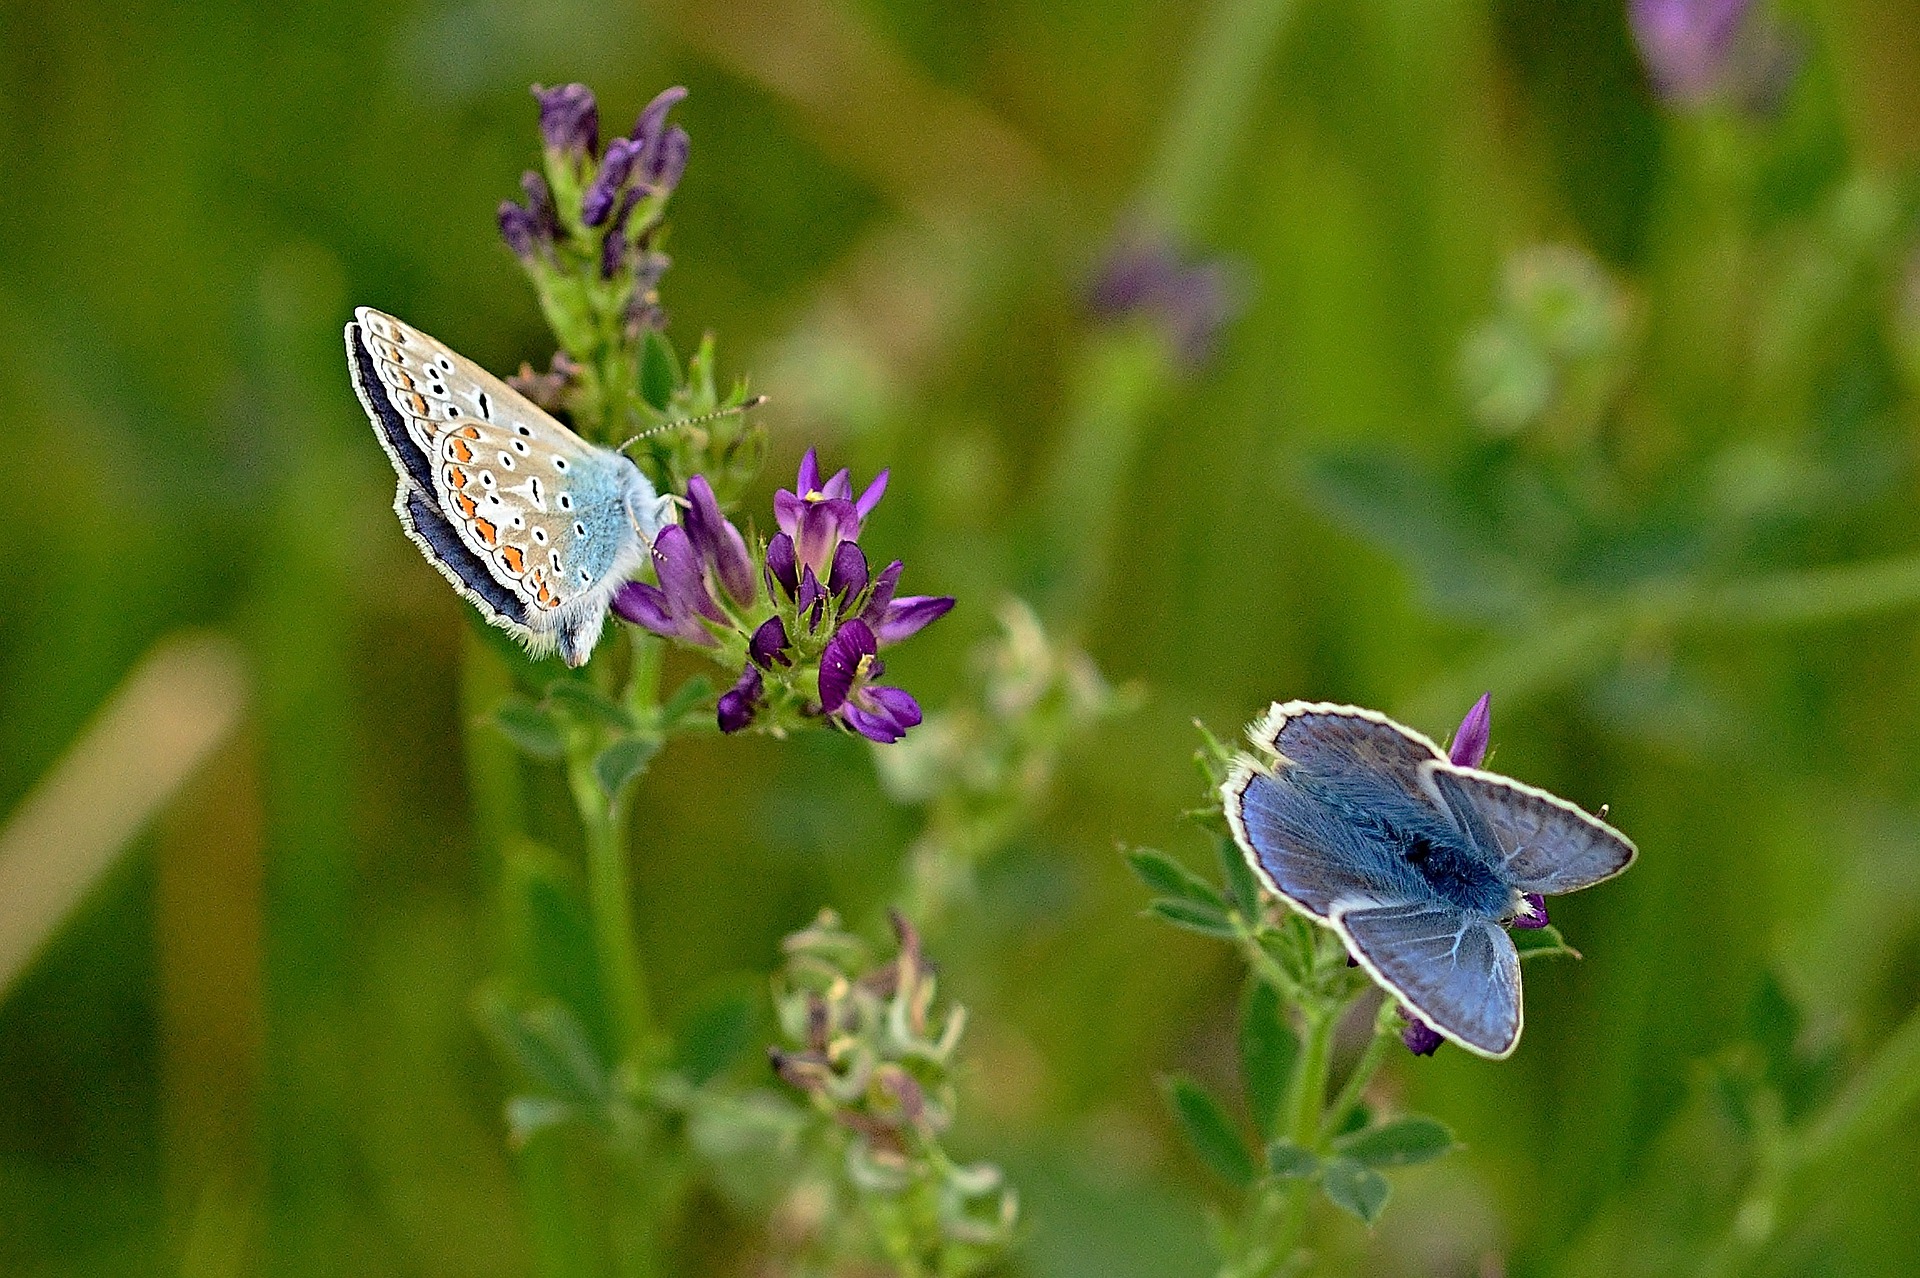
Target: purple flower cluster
[[822, 620], [639, 169]]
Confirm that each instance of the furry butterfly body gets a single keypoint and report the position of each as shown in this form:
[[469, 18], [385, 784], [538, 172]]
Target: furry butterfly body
[[532, 524], [1417, 863]]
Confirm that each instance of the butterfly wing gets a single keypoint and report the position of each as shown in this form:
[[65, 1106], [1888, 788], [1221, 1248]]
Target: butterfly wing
[[543, 516], [1459, 972], [1335, 739], [1544, 843]]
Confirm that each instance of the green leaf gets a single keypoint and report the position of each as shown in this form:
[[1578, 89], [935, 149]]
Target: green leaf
[[684, 700], [1355, 1188], [587, 703], [1541, 942], [532, 729], [622, 761], [1267, 1051], [1203, 919], [1356, 1118], [715, 1034], [1210, 1131], [1243, 889], [1290, 1162], [659, 370], [1167, 876], [1400, 1142], [549, 1045]]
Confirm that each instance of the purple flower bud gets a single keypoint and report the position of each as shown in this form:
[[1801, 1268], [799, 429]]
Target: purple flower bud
[[782, 567], [1469, 748], [520, 230], [650, 128], [1535, 915], [847, 667], [849, 575], [883, 588], [569, 120], [682, 576], [1688, 45], [668, 163], [540, 204], [597, 205], [613, 252], [909, 615], [737, 706], [768, 646], [813, 598], [720, 544], [1421, 1039], [1146, 276]]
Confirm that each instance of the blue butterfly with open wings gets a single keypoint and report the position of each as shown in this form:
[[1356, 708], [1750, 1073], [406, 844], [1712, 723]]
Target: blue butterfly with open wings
[[1419, 863]]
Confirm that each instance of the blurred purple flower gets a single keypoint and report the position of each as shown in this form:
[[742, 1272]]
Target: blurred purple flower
[[661, 150], [1421, 1039], [1469, 748], [569, 121], [738, 705], [1144, 276], [597, 205], [1698, 50], [847, 691], [528, 229]]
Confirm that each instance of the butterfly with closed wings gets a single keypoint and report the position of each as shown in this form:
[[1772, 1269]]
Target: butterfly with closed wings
[[1418, 863], [533, 524]]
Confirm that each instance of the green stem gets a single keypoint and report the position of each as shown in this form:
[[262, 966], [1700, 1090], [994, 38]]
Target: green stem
[[1384, 1034], [1306, 1095], [1215, 104]]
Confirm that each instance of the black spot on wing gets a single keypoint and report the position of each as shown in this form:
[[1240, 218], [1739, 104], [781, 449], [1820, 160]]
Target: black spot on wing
[[386, 418], [451, 551]]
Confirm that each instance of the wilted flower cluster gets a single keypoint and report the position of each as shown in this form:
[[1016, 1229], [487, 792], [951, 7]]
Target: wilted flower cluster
[[869, 1052], [594, 215], [804, 620]]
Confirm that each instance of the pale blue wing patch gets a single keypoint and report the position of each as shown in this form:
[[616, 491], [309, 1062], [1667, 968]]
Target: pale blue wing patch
[[1325, 738], [1544, 843], [1459, 972]]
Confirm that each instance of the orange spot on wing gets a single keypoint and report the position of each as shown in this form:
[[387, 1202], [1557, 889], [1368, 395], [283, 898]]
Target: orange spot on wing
[[456, 478], [458, 450], [468, 506], [468, 432], [414, 403], [515, 561], [485, 531]]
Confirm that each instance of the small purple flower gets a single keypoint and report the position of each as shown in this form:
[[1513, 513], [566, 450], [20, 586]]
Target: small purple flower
[[1421, 1038], [569, 121], [1469, 748], [782, 566], [528, 229], [719, 543], [817, 517], [741, 703], [1699, 50], [676, 606], [597, 205], [847, 691], [662, 151]]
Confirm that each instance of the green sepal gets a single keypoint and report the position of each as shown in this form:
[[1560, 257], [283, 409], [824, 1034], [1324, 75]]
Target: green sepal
[[1290, 1162], [531, 728], [659, 370], [1399, 1142], [1267, 1052], [1355, 1188], [1210, 1131]]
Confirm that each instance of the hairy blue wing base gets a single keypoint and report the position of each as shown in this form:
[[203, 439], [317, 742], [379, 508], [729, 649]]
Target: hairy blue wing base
[[1460, 973], [1326, 739], [1306, 852]]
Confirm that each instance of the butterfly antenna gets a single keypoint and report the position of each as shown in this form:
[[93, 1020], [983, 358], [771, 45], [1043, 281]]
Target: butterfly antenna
[[755, 402]]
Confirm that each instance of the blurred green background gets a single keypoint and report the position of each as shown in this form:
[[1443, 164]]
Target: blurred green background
[[249, 1049]]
